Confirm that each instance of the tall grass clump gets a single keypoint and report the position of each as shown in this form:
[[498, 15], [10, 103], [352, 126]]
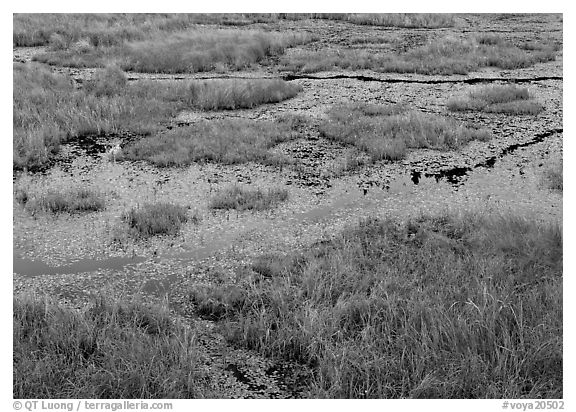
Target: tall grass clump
[[240, 94], [228, 141], [386, 132], [240, 198], [49, 110], [508, 99], [72, 201], [185, 52], [110, 350], [441, 306], [152, 219]]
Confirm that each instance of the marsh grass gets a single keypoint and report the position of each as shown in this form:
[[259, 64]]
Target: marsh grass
[[445, 306], [443, 56], [406, 20], [228, 141], [241, 198], [110, 350], [508, 99], [72, 201], [49, 110], [240, 94], [386, 132], [152, 219], [192, 51], [59, 31]]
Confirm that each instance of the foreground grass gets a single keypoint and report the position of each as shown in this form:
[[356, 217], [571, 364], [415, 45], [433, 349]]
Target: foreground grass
[[152, 219], [50, 110], [239, 198], [509, 99], [386, 132], [442, 57], [186, 52], [436, 307], [110, 350], [228, 141], [72, 201]]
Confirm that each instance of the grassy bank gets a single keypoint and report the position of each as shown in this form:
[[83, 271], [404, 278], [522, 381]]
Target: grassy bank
[[240, 198], [110, 350], [435, 307], [508, 99], [228, 141], [387, 132], [443, 56]]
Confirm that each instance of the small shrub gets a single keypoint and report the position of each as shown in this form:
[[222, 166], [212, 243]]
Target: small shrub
[[153, 219], [240, 198]]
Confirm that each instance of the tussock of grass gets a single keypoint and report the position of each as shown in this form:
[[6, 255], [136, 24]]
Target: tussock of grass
[[111, 350], [386, 132], [227, 141], [153, 219], [239, 198], [185, 52], [73, 201], [441, 57], [436, 307], [553, 177], [508, 99], [240, 94]]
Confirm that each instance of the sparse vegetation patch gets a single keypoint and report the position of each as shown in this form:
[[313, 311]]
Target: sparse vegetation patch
[[240, 198], [436, 307], [508, 99], [386, 132]]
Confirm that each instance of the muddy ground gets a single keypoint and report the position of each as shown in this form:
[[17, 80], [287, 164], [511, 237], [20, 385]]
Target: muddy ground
[[73, 257]]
